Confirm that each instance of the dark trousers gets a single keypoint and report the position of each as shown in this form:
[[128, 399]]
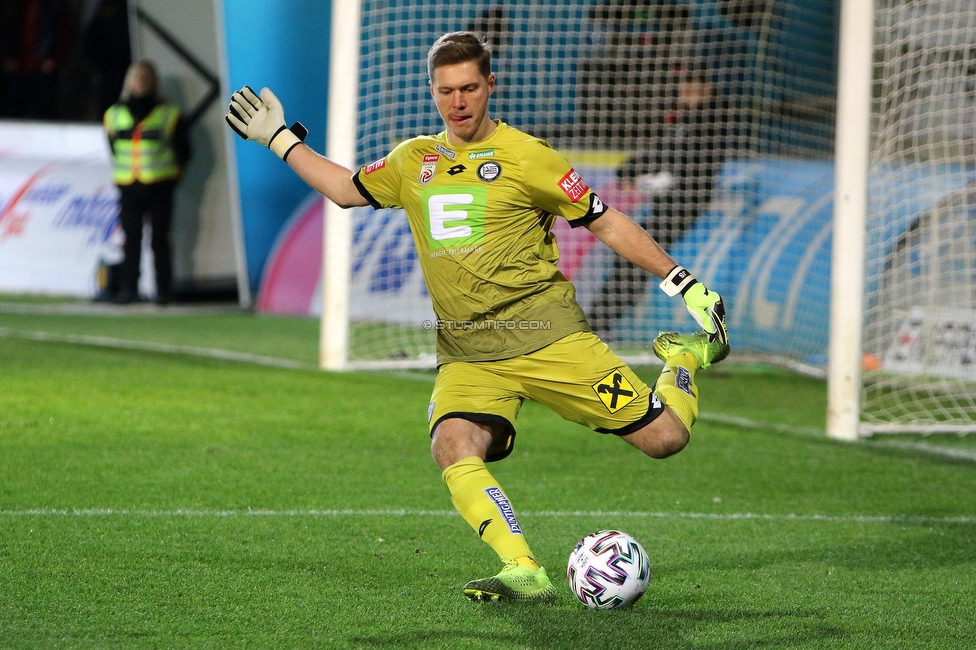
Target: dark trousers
[[626, 283], [152, 203]]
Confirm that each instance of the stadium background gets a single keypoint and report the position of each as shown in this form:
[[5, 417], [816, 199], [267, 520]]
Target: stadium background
[[245, 224], [297, 68], [184, 476]]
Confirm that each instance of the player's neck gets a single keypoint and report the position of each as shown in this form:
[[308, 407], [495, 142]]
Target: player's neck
[[483, 131]]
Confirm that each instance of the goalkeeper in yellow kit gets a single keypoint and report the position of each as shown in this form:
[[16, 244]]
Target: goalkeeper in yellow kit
[[481, 198]]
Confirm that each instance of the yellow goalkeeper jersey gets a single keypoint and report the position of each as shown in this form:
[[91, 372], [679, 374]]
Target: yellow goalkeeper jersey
[[481, 216]]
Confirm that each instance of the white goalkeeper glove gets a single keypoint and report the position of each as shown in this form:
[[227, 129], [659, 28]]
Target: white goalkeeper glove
[[705, 306], [262, 119]]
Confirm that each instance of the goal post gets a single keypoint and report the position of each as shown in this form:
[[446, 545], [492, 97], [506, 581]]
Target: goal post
[[341, 129], [850, 210]]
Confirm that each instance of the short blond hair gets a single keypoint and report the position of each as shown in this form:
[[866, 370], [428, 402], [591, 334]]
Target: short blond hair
[[459, 47]]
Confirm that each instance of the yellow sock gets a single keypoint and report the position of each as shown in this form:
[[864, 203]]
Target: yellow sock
[[483, 504], [676, 387]]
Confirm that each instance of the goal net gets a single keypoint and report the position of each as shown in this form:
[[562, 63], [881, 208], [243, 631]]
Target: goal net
[[710, 122], [919, 336]]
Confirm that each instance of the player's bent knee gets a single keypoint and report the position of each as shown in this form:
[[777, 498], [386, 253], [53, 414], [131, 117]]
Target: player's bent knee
[[455, 439], [661, 438], [670, 443]]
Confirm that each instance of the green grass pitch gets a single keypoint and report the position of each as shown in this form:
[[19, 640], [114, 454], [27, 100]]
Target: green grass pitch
[[158, 500]]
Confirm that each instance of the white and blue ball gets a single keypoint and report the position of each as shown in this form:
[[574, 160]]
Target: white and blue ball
[[608, 570]]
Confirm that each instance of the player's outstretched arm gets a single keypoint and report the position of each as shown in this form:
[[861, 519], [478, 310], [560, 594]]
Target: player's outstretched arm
[[262, 119], [632, 242], [329, 178]]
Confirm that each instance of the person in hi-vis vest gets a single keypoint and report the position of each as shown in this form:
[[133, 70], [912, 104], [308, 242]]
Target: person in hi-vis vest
[[150, 148]]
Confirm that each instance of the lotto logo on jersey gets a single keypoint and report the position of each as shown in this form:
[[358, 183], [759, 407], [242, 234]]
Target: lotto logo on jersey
[[427, 168], [574, 186], [373, 166]]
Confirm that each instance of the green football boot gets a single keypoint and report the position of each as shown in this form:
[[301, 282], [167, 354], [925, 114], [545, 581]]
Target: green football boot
[[668, 344], [513, 583]]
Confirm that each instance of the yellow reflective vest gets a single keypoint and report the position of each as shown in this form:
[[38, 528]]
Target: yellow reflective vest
[[142, 152]]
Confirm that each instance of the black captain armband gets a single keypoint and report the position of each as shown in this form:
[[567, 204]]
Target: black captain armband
[[597, 210]]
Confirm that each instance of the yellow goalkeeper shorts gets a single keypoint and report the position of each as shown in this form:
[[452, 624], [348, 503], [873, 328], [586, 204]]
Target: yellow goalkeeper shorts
[[578, 377]]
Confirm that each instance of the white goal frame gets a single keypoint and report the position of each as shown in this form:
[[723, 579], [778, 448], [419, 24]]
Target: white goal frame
[[341, 129], [848, 256], [850, 218]]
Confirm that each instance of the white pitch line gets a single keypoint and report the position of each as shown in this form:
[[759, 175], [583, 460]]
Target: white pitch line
[[731, 516], [959, 454], [925, 448], [746, 423], [244, 357], [150, 346]]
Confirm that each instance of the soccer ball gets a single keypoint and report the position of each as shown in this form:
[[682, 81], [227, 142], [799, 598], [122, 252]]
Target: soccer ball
[[608, 570]]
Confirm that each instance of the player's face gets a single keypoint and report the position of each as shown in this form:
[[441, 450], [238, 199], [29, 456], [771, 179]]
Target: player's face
[[461, 93]]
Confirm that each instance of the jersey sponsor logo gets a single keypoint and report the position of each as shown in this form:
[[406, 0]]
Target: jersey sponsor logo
[[573, 185], [373, 166], [430, 411], [487, 153], [447, 152], [489, 171], [441, 216], [428, 167], [456, 169], [455, 216], [615, 391], [504, 508]]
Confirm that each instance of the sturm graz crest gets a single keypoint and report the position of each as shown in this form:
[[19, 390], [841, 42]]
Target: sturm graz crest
[[489, 171]]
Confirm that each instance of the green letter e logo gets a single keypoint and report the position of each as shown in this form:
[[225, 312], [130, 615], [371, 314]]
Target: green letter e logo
[[455, 215]]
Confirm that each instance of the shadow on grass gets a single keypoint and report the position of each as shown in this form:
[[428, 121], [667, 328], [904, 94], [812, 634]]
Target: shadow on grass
[[898, 546], [569, 626]]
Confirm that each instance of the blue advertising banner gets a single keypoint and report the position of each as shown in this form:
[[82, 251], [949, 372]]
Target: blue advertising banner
[[284, 46], [766, 243]]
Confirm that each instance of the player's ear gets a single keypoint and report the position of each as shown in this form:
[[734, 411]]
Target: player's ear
[[491, 82], [432, 84]]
